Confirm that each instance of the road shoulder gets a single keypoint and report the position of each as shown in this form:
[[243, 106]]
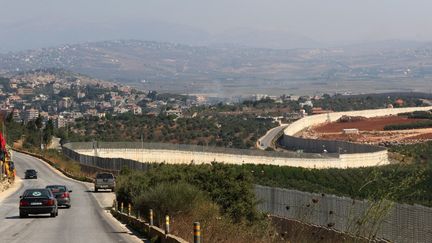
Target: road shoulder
[[100, 199], [15, 186]]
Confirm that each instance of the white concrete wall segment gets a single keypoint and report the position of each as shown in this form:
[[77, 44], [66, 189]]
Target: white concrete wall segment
[[188, 157], [352, 159], [297, 126]]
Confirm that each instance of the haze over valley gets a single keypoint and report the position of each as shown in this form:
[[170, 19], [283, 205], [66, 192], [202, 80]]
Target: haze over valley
[[229, 70]]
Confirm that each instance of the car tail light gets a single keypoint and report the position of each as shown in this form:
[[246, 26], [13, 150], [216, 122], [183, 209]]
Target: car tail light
[[24, 203], [49, 202], [65, 195]]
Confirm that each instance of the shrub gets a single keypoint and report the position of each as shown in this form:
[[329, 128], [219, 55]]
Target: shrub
[[414, 125], [170, 199], [230, 187]]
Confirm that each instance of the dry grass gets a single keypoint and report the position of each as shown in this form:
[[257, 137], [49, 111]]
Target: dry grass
[[216, 228]]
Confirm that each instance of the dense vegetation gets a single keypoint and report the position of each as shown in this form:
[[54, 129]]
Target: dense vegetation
[[418, 114], [420, 153], [405, 126], [406, 183], [362, 102], [221, 197], [228, 186], [32, 134], [224, 192], [238, 131]]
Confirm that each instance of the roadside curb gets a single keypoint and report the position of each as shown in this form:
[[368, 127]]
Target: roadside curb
[[14, 187]]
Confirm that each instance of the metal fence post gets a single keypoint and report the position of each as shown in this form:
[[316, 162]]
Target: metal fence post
[[151, 217], [115, 205], [167, 224], [197, 232]]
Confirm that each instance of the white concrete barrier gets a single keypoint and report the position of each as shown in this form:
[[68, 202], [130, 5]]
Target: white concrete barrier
[[299, 125], [188, 157], [350, 159]]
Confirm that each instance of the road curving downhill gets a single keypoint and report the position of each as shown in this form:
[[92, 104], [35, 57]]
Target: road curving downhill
[[86, 221]]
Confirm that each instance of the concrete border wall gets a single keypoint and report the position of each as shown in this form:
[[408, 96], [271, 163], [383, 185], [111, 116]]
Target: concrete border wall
[[140, 159], [352, 154], [188, 157], [298, 126]]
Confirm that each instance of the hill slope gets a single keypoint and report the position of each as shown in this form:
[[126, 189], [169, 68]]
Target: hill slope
[[231, 70]]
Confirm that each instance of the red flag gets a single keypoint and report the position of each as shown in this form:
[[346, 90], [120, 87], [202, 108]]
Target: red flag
[[2, 142]]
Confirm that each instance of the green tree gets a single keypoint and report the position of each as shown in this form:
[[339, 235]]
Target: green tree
[[48, 131]]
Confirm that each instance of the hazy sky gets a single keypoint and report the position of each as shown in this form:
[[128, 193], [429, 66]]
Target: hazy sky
[[320, 20]]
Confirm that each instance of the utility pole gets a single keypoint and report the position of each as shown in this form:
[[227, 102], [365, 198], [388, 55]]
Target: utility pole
[[41, 140], [142, 147]]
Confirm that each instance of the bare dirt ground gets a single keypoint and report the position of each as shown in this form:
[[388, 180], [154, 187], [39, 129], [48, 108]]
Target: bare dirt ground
[[371, 131], [371, 124]]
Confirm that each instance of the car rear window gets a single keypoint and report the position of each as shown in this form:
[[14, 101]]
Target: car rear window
[[56, 189], [30, 171], [37, 193], [104, 176]]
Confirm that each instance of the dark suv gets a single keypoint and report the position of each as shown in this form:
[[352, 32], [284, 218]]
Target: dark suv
[[104, 181]]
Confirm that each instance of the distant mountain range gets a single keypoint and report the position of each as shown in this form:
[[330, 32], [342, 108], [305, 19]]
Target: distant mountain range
[[42, 32], [231, 70]]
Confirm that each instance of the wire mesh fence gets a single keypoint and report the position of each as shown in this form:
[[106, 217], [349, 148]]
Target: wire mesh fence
[[400, 223]]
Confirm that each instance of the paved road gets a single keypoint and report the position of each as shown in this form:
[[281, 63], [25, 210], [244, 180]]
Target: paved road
[[266, 140], [86, 221]]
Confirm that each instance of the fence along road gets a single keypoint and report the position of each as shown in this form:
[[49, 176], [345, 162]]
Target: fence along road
[[403, 223], [134, 155]]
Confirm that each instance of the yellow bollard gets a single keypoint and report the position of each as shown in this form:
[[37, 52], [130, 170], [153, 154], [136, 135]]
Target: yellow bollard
[[151, 217], [167, 224], [129, 209], [197, 232], [121, 207]]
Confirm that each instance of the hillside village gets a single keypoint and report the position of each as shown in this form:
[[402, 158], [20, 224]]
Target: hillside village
[[64, 97]]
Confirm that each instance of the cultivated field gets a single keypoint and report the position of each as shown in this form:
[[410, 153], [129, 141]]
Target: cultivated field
[[371, 131]]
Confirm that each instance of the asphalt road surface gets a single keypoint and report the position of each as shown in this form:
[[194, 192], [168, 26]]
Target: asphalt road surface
[[265, 141], [86, 221]]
